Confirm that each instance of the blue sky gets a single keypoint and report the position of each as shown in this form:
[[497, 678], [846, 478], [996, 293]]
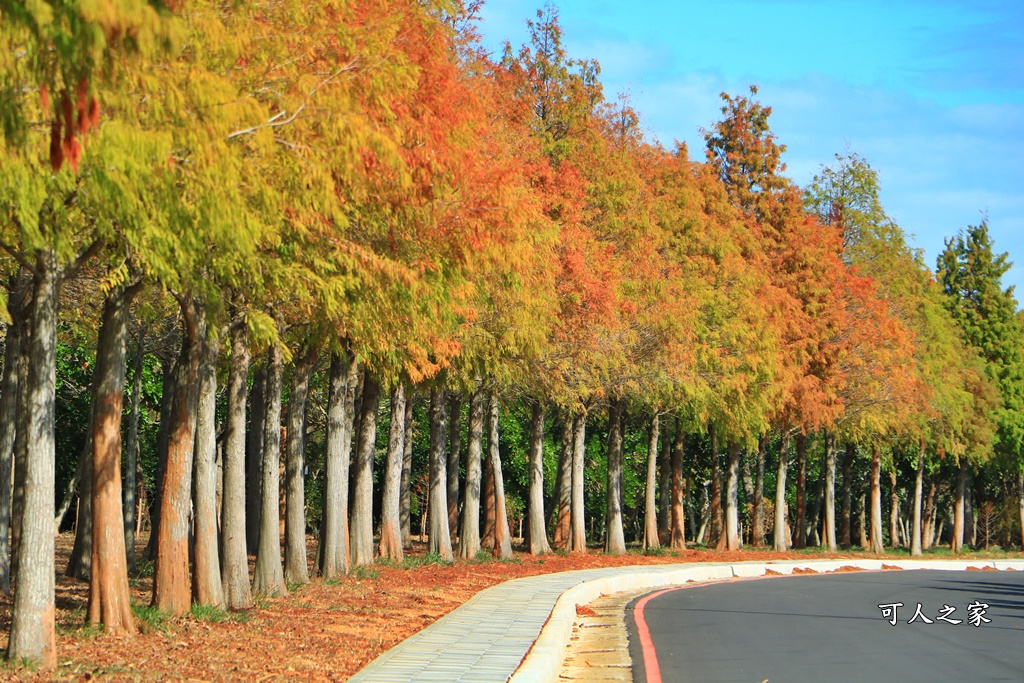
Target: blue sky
[[930, 93]]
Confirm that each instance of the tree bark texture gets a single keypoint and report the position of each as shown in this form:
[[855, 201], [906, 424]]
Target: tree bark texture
[[9, 423], [650, 538], [268, 574], [81, 550], [915, 532], [830, 491], [578, 531], [894, 511], [677, 541], [469, 535], [875, 536], [615, 540], [502, 537], [439, 538], [295, 560], [957, 543], [665, 488], [109, 596], [779, 532], [333, 552], [234, 563], [406, 509], [171, 590], [563, 487], [362, 507], [732, 503], [207, 586], [390, 515], [538, 541]]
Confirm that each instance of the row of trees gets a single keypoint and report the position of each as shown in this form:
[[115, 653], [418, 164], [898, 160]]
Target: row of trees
[[352, 200]]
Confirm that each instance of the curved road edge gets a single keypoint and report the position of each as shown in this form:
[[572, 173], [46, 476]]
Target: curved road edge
[[544, 660]]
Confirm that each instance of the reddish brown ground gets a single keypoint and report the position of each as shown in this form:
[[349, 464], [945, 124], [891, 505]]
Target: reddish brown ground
[[324, 631]]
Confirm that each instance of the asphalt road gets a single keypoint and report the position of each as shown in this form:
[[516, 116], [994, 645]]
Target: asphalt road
[[830, 628]]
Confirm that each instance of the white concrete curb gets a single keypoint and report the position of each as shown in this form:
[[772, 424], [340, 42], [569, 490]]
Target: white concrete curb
[[544, 660]]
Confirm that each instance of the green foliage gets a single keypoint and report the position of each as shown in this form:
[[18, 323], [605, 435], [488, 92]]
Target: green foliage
[[150, 618]]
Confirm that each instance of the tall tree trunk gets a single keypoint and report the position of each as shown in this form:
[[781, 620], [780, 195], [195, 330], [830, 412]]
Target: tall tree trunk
[[207, 587], [171, 576], [33, 631], [677, 540], [131, 457], [406, 509], [22, 415], [487, 495], [577, 530], [333, 552], [362, 508], [454, 448], [862, 525], [779, 531], [502, 537], [254, 459], [109, 596], [928, 515], [650, 539], [830, 491], [732, 503], [894, 511], [844, 518], [758, 532], [957, 543], [234, 563], [268, 574], [717, 536], [538, 528], [800, 539], [563, 487], [439, 538], [615, 541], [469, 536], [875, 536], [9, 421], [295, 560], [915, 532], [665, 488], [390, 515]]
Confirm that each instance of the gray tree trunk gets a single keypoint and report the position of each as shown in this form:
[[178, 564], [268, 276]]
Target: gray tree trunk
[[957, 543], [268, 574], [577, 528], [615, 541], [295, 560], [830, 491], [333, 551], [439, 538], [650, 539], [406, 509], [362, 504], [33, 630], [875, 536], [538, 528], [915, 534], [779, 532], [234, 563], [894, 511], [390, 523], [677, 539], [207, 585], [9, 422], [502, 536], [732, 503], [469, 535]]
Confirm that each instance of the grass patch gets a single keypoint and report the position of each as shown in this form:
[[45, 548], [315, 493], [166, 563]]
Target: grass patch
[[150, 618], [332, 581], [210, 614], [362, 574], [659, 551]]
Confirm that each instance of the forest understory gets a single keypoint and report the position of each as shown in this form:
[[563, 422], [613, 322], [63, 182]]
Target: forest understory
[[325, 630]]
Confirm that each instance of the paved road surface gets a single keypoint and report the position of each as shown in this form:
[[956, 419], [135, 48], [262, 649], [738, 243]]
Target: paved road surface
[[830, 628]]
